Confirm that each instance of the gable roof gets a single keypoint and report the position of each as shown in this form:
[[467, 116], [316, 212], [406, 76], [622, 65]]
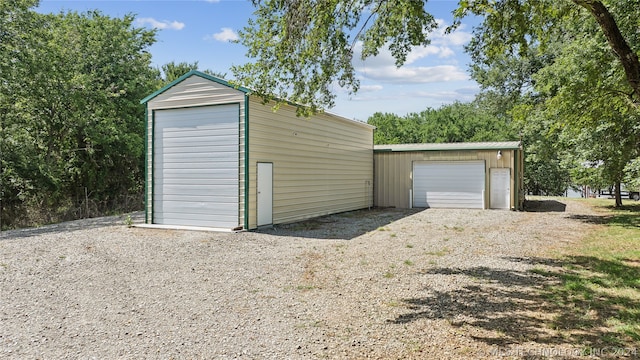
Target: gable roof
[[245, 90], [189, 74], [495, 145]]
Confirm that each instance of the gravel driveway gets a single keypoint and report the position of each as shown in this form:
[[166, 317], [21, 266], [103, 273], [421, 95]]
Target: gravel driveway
[[445, 284]]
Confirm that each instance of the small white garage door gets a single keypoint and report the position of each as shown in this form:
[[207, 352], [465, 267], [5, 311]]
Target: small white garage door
[[195, 166], [443, 184]]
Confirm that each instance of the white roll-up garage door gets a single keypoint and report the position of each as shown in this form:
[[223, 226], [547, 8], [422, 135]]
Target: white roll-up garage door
[[444, 184], [196, 166]]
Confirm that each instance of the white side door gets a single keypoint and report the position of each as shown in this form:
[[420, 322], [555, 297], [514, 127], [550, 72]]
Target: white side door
[[500, 188], [265, 193]]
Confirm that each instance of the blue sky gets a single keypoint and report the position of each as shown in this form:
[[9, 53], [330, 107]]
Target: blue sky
[[201, 30]]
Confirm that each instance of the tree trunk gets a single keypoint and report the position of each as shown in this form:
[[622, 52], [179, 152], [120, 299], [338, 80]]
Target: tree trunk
[[618, 195], [619, 45]]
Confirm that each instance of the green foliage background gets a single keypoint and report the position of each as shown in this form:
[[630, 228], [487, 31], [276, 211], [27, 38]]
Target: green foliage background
[[72, 126]]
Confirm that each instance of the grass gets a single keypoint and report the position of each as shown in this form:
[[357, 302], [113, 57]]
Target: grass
[[441, 252], [307, 225], [454, 228], [128, 221], [305, 287], [598, 293]]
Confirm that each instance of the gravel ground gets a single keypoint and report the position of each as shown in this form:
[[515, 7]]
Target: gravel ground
[[447, 284]]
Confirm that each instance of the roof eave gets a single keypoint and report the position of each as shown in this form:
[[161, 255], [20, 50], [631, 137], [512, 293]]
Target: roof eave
[[515, 145]]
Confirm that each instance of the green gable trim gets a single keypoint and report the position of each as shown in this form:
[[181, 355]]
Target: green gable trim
[[189, 74], [146, 164], [246, 161], [153, 165]]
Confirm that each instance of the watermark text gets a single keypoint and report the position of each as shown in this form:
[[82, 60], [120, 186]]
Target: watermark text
[[562, 352]]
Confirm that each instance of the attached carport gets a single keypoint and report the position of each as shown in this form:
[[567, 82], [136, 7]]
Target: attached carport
[[452, 175]]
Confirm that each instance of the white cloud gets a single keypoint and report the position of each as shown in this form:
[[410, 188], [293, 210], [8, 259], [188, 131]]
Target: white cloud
[[415, 74], [162, 25], [449, 96], [419, 66], [225, 35], [458, 37], [418, 53], [441, 43], [369, 88]]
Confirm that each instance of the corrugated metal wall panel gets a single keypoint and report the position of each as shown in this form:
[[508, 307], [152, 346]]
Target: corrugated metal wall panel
[[196, 91], [321, 165], [393, 172], [182, 166]]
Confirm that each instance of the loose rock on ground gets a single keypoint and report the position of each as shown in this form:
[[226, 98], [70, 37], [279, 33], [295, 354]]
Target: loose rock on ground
[[381, 283]]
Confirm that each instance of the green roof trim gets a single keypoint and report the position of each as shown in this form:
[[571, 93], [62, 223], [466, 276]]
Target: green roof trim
[[189, 74], [467, 146]]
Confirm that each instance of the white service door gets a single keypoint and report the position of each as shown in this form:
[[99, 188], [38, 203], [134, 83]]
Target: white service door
[[448, 184], [265, 193], [195, 166], [500, 188]]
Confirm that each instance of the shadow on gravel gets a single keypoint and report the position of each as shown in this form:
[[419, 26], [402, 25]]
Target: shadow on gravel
[[544, 206], [623, 218], [82, 224], [341, 226], [582, 301]]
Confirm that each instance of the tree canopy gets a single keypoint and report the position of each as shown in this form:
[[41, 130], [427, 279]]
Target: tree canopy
[[570, 96], [457, 122], [300, 49], [72, 126]]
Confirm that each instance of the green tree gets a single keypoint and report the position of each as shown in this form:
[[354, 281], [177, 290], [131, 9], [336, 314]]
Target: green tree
[[457, 122], [172, 71], [602, 154], [460, 122], [300, 48], [584, 92], [393, 129], [509, 93], [75, 129], [547, 168], [570, 96], [632, 175], [16, 23]]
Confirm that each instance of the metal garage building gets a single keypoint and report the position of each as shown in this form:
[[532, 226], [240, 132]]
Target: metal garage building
[[454, 175], [218, 158]]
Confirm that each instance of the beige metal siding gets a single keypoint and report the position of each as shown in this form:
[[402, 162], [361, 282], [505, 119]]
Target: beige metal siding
[[321, 165], [192, 92], [393, 172]]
